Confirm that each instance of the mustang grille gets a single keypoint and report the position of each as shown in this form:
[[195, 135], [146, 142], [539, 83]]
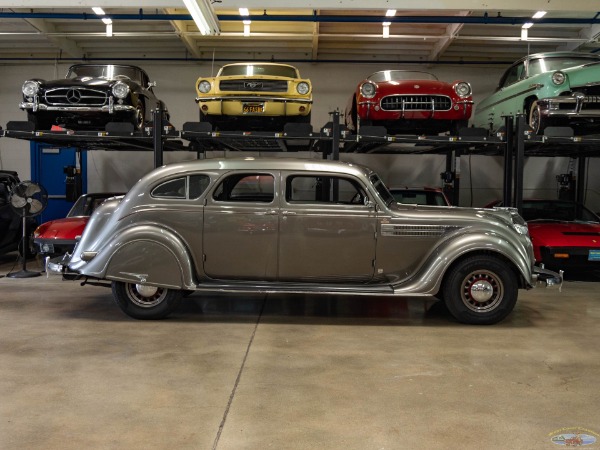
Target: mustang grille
[[415, 230], [70, 96], [249, 85], [416, 103]]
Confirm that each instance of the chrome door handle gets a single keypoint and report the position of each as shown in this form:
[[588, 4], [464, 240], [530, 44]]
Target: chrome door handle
[[288, 213]]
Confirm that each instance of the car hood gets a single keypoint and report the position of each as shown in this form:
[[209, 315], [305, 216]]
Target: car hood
[[68, 228], [80, 81], [561, 234], [582, 75], [414, 87]]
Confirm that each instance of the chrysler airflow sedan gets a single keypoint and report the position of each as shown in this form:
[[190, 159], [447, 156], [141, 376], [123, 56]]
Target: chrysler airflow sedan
[[298, 226]]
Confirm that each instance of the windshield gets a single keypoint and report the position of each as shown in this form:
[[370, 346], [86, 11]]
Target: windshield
[[553, 210], [381, 189], [259, 69], [541, 65], [86, 204], [108, 72], [399, 75]]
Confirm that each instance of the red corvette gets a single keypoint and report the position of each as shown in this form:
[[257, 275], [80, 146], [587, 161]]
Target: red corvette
[[565, 234], [58, 237], [410, 101]]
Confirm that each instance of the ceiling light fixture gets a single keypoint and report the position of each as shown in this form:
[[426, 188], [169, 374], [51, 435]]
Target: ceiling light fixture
[[386, 29], [204, 16], [524, 34], [390, 13], [539, 15], [106, 20], [527, 25], [109, 31], [245, 13]]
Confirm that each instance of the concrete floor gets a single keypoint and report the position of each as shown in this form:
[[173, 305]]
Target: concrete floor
[[292, 372]]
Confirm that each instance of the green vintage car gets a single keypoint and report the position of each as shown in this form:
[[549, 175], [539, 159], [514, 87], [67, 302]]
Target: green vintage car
[[551, 89]]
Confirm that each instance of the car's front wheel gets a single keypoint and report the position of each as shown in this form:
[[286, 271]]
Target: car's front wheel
[[480, 290], [139, 117], [141, 301], [536, 121]]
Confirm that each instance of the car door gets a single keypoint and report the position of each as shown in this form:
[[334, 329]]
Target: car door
[[327, 231], [241, 221]]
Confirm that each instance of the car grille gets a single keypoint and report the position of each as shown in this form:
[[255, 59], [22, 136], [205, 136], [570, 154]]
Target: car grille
[[249, 85], [70, 96], [591, 102], [416, 103]]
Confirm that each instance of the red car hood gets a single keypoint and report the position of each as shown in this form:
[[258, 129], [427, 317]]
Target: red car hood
[[67, 228], [564, 234], [425, 87]]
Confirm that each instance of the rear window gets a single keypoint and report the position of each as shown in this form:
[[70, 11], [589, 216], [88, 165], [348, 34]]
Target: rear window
[[190, 187]]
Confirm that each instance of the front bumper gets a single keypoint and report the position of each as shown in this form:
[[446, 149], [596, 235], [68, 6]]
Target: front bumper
[[271, 106], [372, 110], [547, 278], [111, 108], [571, 106]]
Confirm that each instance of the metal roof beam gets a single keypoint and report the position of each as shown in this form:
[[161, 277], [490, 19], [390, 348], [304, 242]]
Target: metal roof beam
[[451, 32], [64, 44], [590, 34]]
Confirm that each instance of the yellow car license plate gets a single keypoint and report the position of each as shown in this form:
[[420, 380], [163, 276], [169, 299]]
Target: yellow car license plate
[[253, 108]]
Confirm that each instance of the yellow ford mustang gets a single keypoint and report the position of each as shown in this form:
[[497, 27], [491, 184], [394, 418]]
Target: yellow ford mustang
[[254, 96]]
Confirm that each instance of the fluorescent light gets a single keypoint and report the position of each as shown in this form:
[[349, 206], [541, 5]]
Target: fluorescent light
[[98, 11], [244, 12], [204, 16], [524, 33], [539, 15], [106, 21], [109, 31], [246, 28], [390, 13], [527, 25], [386, 30]]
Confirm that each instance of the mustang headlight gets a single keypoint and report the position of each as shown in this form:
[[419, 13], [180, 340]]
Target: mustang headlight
[[558, 77], [303, 88], [120, 89], [204, 86], [368, 90], [30, 88], [462, 89]]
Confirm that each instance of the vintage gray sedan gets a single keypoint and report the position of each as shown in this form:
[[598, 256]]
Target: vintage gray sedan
[[310, 226]]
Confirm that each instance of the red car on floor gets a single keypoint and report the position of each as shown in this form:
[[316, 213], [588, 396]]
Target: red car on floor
[[410, 101], [57, 237], [565, 234]]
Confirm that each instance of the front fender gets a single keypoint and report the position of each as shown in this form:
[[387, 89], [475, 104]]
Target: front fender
[[428, 279], [142, 254]]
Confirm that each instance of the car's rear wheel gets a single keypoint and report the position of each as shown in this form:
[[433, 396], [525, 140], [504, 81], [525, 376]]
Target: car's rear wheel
[[480, 290], [139, 117], [141, 301]]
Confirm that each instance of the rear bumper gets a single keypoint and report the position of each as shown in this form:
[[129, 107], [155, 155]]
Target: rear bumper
[[547, 278]]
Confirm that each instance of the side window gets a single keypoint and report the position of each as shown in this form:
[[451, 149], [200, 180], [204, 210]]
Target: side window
[[324, 189], [246, 187], [513, 75], [191, 187]]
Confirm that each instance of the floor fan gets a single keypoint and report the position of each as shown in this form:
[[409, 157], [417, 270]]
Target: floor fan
[[28, 199]]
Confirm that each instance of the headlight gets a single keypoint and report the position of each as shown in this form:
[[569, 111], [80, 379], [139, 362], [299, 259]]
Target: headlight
[[120, 89], [462, 89], [303, 88], [37, 232], [558, 78], [368, 90], [204, 87], [30, 88], [521, 229]]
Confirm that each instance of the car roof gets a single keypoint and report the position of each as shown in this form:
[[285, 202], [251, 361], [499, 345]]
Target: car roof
[[557, 55]]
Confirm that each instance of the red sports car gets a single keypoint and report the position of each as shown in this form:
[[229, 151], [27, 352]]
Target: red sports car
[[57, 237], [409, 101], [565, 234]]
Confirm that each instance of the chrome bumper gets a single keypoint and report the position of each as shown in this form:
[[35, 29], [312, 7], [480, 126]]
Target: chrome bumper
[[547, 278], [110, 108], [59, 266], [573, 106]]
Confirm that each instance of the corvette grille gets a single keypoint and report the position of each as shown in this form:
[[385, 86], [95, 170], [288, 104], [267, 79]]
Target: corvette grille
[[416, 103], [69, 96], [250, 85]]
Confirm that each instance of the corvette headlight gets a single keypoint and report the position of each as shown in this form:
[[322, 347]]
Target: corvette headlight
[[368, 90], [558, 77], [462, 89], [303, 88], [120, 89], [204, 86], [30, 88]]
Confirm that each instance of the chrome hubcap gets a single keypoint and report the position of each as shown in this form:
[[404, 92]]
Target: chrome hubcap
[[482, 291], [145, 296]]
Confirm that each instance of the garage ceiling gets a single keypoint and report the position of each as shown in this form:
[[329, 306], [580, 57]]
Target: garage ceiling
[[324, 31]]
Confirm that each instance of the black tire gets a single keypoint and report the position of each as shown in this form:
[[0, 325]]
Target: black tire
[[139, 118], [535, 120], [480, 290], [156, 303]]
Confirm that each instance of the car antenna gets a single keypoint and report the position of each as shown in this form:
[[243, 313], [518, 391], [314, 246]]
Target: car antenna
[[212, 67]]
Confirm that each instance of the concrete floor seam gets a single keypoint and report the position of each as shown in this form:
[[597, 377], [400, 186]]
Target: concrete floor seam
[[239, 376]]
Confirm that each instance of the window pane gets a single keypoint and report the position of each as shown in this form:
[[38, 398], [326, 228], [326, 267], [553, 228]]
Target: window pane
[[171, 189], [323, 190], [246, 188], [198, 184]]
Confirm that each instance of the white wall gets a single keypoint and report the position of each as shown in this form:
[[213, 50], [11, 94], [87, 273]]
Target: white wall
[[333, 84]]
